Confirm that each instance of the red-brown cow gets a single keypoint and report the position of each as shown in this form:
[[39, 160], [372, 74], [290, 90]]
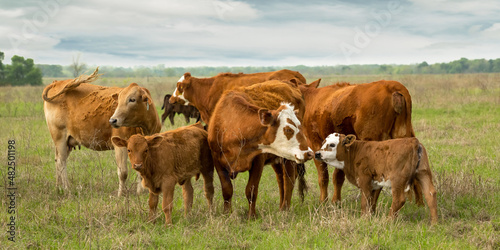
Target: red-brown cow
[[77, 113], [373, 165], [251, 126], [372, 111], [170, 158]]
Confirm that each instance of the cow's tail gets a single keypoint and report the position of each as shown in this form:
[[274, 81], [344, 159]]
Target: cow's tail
[[301, 171], [415, 185], [402, 125], [72, 85]]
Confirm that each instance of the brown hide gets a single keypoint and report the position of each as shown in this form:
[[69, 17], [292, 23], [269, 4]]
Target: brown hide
[[168, 158], [171, 109], [372, 165], [77, 113], [204, 93], [236, 130], [135, 108], [372, 111]]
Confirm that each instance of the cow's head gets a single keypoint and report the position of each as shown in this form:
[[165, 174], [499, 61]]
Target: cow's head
[[134, 105], [284, 136], [138, 149], [182, 84], [334, 149]]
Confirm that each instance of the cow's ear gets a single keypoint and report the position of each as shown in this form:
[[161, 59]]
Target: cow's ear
[[156, 141], [349, 140], [266, 117], [119, 142], [187, 75], [146, 97], [315, 84], [115, 96], [294, 81]]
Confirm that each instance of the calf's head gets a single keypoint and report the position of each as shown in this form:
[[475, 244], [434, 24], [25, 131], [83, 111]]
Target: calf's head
[[182, 84], [284, 136], [138, 149], [134, 104], [334, 149]]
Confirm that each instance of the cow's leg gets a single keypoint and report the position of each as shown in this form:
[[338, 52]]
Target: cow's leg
[[252, 188], [167, 188], [417, 186], [171, 118], [208, 185], [366, 197], [140, 189], [62, 153], [163, 117], [375, 195], [278, 170], [425, 179], [186, 117], [338, 180], [323, 179], [289, 175], [226, 185], [153, 204], [187, 195], [121, 160], [398, 198]]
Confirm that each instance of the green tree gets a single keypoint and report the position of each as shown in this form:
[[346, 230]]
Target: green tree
[[2, 68], [22, 72]]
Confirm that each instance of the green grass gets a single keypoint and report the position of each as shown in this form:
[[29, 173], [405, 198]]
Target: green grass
[[457, 117]]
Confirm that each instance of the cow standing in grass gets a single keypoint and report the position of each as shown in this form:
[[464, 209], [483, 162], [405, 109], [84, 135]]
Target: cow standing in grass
[[166, 159], [77, 113]]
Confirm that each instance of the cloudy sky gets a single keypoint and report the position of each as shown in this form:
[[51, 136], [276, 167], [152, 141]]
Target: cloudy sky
[[241, 33]]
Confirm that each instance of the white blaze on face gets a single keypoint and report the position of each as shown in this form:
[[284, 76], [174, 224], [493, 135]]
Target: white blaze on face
[[282, 146], [329, 151], [181, 96]]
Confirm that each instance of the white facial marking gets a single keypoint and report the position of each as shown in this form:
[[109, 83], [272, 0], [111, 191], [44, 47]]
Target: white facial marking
[[181, 96], [281, 146], [329, 153]]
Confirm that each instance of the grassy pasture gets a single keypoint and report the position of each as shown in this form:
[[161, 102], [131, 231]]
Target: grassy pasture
[[457, 117]]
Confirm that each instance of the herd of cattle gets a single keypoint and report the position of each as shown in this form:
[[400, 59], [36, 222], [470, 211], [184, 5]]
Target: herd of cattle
[[252, 120]]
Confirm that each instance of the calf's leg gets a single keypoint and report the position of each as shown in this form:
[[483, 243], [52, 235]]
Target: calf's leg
[[323, 179], [278, 170], [252, 188], [338, 179], [153, 204], [167, 189], [187, 195], [226, 185], [289, 176], [425, 179], [208, 185]]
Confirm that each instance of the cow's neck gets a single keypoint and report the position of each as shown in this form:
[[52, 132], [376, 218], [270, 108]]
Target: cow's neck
[[152, 125], [201, 96]]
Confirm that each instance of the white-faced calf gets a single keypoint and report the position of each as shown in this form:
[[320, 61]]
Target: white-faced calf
[[168, 158], [372, 165]]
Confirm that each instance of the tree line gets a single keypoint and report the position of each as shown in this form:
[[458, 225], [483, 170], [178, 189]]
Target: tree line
[[20, 72]]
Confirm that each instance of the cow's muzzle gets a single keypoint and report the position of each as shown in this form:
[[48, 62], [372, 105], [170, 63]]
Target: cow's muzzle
[[137, 166], [114, 123], [317, 156], [307, 156]]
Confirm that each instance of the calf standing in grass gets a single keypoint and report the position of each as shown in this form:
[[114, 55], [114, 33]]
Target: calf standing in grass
[[168, 158], [372, 165]]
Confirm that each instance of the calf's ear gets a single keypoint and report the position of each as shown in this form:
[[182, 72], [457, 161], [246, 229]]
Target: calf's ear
[[119, 142], [156, 141], [315, 84], [266, 117], [349, 140], [115, 96]]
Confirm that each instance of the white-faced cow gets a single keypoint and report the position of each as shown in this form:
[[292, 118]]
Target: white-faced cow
[[373, 165], [254, 125], [77, 113], [372, 111]]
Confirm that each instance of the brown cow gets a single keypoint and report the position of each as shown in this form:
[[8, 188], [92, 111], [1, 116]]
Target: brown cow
[[78, 114], [371, 111], [170, 158], [171, 109], [373, 165], [251, 126], [204, 93]]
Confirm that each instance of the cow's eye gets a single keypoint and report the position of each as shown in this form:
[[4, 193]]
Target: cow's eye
[[128, 150], [332, 145], [131, 100]]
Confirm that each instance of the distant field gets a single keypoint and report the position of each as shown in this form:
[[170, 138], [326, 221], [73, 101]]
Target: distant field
[[457, 117]]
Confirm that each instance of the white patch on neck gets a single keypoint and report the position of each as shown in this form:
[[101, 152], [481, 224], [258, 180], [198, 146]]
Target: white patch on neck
[[181, 96], [281, 146]]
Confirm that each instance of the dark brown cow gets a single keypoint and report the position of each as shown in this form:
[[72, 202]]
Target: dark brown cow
[[171, 109], [204, 93], [371, 111], [170, 158], [77, 113], [373, 165], [251, 126]]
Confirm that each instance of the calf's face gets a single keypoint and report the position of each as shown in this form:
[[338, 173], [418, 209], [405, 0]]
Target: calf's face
[[133, 102], [284, 136], [334, 148], [182, 84], [138, 148]]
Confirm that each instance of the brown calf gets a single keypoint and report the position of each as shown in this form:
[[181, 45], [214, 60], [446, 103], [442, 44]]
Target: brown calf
[[189, 111], [168, 158], [373, 165]]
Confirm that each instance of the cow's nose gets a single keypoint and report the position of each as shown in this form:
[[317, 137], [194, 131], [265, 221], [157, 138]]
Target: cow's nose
[[112, 121], [317, 156], [137, 166], [309, 155]]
